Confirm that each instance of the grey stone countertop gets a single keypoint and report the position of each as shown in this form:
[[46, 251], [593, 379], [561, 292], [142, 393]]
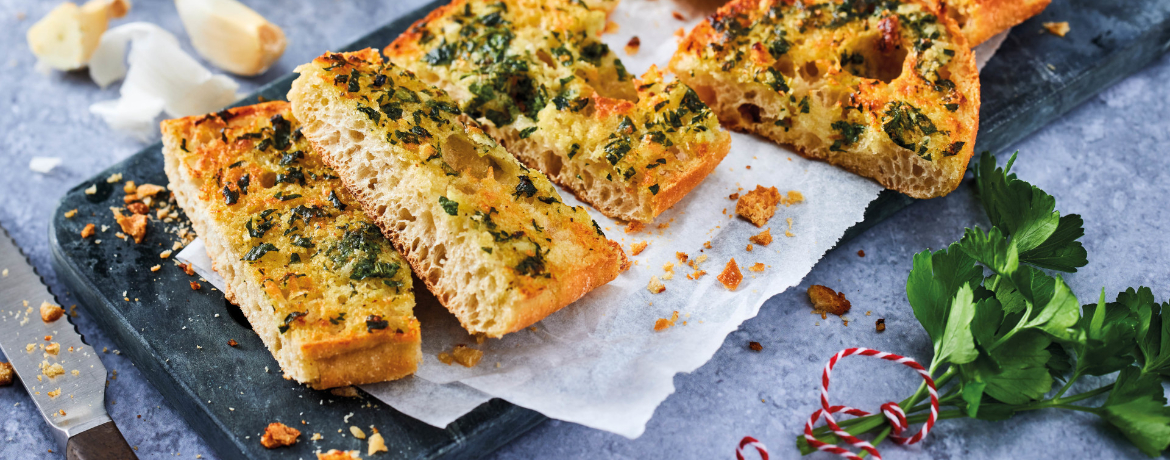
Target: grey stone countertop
[[1107, 160]]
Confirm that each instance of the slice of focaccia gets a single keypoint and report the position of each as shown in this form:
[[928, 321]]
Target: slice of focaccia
[[321, 286], [983, 19], [490, 238], [536, 75], [888, 90]]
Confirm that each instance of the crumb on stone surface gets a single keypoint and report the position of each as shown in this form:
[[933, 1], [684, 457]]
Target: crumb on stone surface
[[1059, 29], [663, 324], [88, 231], [345, 392], [7, 374], [655, 286], [279, 435], [377, 444], [133, 225], [149, 190], [335, 454], [638, 247], [233, 343], [50, 312], [357, 432], [195, 286], [880, 325], [826, 300], [69, 214], [731, 276], [755, 346], [764, 238], [138, 207]]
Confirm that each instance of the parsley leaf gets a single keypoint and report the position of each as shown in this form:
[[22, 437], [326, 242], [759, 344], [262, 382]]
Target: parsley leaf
[[1137, 407]]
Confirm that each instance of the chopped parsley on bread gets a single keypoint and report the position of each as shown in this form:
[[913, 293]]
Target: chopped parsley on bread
[[537, 76], [491, 238], [888, 90], [321, 286]]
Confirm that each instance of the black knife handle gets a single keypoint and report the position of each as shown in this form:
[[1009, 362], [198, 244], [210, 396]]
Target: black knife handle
[[103, 442]]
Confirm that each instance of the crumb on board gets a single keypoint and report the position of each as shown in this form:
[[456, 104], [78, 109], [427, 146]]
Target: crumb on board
[[138, 207], [129, 187], [114, 178], [880, 325], [663, 324], [638, 247], [195, 286], [69, 214], [6, 374], [731, 276], [149, 190], [156, 268], [826, 300], [1059, 29], [345, 392], [755, 346], [91, 189], [187, 269], [757, 267], [316, 437], [88, 231], [357, 432], [377, 444], [233, 343], [335, 454], [764, 238], [633, 45], [655, 286], [279, 435], [166, 254], [133, 225], [635, 227], [860, 253], [50, 312]]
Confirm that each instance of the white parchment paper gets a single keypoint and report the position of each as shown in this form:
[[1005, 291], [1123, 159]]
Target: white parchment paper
[[599, 362]]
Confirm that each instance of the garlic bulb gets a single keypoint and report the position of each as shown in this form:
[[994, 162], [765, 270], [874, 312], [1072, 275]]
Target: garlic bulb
[[66, 37], [231, 35]]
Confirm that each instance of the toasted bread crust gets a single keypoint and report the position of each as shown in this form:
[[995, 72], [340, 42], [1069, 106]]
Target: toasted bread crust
[[322, 348], [982, 19], [630, 147], [869, 91], [491, 239]]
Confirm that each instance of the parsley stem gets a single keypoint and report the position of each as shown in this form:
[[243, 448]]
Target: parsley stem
[[1076, 375]]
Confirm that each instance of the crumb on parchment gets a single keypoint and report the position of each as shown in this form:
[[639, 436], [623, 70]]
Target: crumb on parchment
[[764, 238], [638, 247], [279, 435], [663, 324], [826, 300], [655, 286], [757, 267], [731, 276]]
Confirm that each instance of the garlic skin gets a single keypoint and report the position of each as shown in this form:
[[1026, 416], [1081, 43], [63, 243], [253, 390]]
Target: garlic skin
[[66, 37], [231, 36]]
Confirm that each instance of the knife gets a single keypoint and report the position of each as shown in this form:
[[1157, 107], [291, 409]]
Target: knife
[[68, 386]]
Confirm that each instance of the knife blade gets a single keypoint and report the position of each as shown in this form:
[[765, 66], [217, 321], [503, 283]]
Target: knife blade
[[63, 375]]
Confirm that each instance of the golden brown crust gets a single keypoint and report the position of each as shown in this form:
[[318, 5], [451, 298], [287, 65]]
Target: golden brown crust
[[982, 19], [322, 347]]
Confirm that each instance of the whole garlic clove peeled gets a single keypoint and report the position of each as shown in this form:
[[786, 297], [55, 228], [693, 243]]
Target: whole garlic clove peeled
[[66, 37], [231, 36]]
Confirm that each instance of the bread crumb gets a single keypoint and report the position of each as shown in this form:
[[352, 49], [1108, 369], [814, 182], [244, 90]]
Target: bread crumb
[[91, 189], [731, 276], [357, 432], [860, 253], [757, 267], [655, 286], [755, 346], [682, 256], [635, 227], [156, 268], [696, 275], [638, 247], [51, 370], [764, 238], [69, 214], [633, 45], [149, 190], [138, 207], [133, 225], [680, 33], [233, 343], [707, 244], [788, 232], [749, 248], [114, 178], [335, 454], [663, 324], [466, 356], [6, 374], [53, 348], [279, 435], [377, 444], [826, 300], [733, 196], [794, 197], [166, 254], [446, 358], [880, 325], [1059, 29], [316, 437], [195, 286], [759, 205], [75, 372], [88, 231], [129, 187], [50, 312], [678, 16]]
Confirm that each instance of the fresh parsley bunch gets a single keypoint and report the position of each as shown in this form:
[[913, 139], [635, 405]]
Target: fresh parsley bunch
[[1006, 332]]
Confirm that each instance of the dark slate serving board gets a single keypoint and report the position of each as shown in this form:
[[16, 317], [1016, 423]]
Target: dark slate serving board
[[173, 336]]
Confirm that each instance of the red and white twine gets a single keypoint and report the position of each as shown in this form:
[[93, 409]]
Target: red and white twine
[[893, 413]]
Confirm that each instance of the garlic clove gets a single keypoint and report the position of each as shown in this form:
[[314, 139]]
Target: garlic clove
[[231, 36], [66, 37]]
